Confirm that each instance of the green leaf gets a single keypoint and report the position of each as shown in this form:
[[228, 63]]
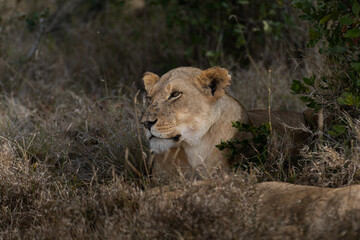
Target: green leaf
[[305, 99], [356, 8], [305, 5], [358, 83], [338, 130], [298, 87], [313, 34], [243, 2], [312, 43], [309, 81], [222, 145], [349, 99], [312, 104], [280, 2], [346, 20], [337, 49], [240, 41], [325, 19], [332, 133], [352, 33], [356, 66], [306, 17], [267, 27]]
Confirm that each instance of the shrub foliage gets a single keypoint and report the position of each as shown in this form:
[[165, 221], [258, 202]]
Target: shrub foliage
[[335, 32]]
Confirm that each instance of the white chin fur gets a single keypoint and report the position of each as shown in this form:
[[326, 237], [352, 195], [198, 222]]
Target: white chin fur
[[159, 145]]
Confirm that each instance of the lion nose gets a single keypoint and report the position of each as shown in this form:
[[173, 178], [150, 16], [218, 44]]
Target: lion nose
[[149, 124]]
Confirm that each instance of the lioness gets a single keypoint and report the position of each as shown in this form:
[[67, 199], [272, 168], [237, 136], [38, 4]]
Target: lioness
[[189, 112]]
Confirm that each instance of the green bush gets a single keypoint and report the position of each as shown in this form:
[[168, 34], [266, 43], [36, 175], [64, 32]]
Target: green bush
[[211, 30], [335, 31], [255, 148]]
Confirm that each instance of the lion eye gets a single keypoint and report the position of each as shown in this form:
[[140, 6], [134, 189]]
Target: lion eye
[[175, 94], [148, 99]]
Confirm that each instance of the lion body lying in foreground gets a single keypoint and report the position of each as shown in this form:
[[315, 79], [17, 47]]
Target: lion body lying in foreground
[[286, 211], [189, 112]]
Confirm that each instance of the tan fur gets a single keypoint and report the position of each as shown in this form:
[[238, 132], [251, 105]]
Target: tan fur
[[201, 114], [294, 211], [149, 80]]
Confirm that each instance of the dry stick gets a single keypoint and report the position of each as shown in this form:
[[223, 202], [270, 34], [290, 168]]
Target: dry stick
[[57, 18], [8, 66], [269, 110], [102, 77], [269, 88], [38, 38], [126, 159], [321, 123], [139, 137], [129, 163]]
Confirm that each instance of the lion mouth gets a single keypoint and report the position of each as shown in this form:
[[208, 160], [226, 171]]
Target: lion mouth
[[176, 138]]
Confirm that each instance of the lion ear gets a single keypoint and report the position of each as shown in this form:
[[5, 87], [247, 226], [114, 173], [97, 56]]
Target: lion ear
[[150, 79], [215, 79]]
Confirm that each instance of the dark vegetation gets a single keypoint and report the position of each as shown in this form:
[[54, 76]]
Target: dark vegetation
[[73, 159]]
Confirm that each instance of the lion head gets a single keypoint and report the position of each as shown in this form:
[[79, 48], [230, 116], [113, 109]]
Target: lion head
[[181, 105]]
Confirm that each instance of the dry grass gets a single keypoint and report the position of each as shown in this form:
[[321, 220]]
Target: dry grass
[[71, 163], [334, 166], [251, 86], [64, 175], [79, 136]]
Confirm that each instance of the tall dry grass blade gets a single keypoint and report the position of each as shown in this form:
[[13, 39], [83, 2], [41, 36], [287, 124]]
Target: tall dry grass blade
[[143, 154], [129, 163], [269, 101], [320, 123]]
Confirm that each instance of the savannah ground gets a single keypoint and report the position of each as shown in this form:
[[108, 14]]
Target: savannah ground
[[73, 159]]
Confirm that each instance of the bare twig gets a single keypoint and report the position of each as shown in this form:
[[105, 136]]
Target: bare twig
[[269, 98], [139, 137], [54, 21]]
